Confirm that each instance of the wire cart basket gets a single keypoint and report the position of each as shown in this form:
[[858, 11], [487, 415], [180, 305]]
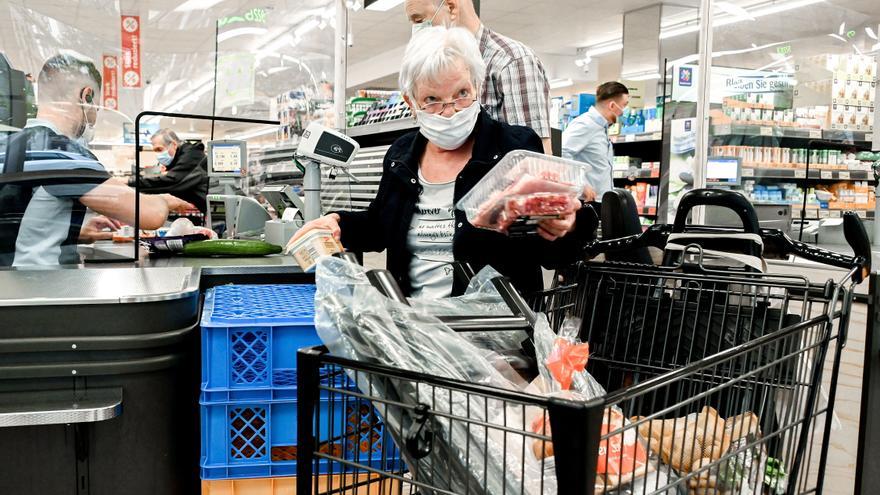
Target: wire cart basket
[[714, 383]]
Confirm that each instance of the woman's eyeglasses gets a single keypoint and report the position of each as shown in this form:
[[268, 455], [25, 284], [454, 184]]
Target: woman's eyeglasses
[[440, 106]]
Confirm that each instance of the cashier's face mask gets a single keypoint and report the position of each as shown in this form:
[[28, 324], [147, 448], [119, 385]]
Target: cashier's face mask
[[448, 133], [87, 128]]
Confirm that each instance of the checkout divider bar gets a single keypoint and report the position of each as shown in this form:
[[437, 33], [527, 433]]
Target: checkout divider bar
[[137, 154]]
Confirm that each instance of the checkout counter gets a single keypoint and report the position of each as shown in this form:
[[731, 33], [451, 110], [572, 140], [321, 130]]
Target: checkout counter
[[100, 364]]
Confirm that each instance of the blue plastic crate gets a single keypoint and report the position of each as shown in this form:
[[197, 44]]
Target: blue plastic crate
[[254, 440], [250, 335]]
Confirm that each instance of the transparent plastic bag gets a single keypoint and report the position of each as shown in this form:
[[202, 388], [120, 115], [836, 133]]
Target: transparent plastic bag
[[523, 188], [480, 298], [559, 349], [356, 322]]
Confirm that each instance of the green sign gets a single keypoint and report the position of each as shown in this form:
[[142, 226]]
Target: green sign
[[256, 16], [784, 50]]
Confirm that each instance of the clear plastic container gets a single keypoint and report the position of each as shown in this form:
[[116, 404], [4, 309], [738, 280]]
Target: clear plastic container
[[523, 188]]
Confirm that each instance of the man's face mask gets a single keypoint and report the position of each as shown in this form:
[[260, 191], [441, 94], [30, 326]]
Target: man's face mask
[[416, 28], [86, 131]]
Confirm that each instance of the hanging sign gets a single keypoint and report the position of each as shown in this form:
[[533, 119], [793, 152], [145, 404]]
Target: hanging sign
[[110, 98], [131, 51]]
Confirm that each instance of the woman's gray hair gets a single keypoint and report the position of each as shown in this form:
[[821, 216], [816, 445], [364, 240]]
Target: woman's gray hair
[[168, 136], [434, 50]]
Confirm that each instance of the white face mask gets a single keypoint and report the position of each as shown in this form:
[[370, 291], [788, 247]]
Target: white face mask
[[416, 28], [448, 133], [87, 135]]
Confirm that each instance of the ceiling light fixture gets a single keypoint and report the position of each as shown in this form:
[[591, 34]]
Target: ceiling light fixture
[[838, 37], [643, 76], [735, 10], [381, 5], [242, 31], [560, 83], [693, 25], [196, 5], [305, 27], [870, 33]]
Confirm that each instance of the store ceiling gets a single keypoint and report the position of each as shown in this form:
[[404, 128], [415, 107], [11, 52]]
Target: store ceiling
[[179, 46]]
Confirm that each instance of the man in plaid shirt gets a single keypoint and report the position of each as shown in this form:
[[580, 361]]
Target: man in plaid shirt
[[516, 90]]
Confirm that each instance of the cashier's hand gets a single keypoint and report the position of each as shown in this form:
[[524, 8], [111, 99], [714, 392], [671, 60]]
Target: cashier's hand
[[93, 229], [327, 222], [177, 204], [558, 228]]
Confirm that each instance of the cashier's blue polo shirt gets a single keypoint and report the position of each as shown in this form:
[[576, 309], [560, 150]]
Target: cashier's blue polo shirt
[[40, 211]]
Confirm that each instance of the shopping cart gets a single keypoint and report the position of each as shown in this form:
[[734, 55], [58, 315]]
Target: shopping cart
[[714, 382]]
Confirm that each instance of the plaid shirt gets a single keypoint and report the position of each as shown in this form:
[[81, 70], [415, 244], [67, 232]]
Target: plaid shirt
[[516, 90]]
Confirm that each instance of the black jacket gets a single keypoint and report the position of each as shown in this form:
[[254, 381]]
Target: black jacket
[[185, 177], [386, 223]]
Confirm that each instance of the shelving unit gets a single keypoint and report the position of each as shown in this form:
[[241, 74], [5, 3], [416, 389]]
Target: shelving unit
[[782, 132]]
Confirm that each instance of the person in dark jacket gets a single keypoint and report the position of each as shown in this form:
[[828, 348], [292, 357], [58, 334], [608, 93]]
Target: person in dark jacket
[[425, 173], [186, 168]]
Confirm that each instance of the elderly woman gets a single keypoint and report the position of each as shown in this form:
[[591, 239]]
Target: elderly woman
[[425, 173]]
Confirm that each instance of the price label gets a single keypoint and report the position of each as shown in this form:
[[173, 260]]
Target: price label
[[619, 175], [862, 213], [827, 174], [722, 129], [835, 214], [843, 175], [766, 131], [869, 136], [748, 172], [800, 174], [815, 134], [824, 213], [657, 136], [630, 138]]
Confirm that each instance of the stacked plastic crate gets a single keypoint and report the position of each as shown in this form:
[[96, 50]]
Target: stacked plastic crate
[[250, 336]]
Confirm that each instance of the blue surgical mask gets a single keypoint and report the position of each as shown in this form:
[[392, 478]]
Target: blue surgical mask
[[427, 23], [164, 158]]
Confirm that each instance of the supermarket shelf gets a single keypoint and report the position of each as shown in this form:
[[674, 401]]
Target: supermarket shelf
[[791, 173], [638, 174], [818, 213], [790, 132], [390, 126], [636, 138]]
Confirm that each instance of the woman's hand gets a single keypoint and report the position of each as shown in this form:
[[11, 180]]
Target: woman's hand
[[327, 222], [558, 228]]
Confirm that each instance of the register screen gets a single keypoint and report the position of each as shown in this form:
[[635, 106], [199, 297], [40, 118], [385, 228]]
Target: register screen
[[226, 159], [722, 171]]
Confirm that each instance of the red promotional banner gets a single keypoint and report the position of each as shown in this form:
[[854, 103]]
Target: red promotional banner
[[110, 96], [131, 51]]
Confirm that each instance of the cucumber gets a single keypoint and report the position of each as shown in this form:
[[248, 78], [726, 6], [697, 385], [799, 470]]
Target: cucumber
[[230, 247]]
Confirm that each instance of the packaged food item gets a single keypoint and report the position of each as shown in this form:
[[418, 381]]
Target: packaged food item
[[312, 246], [522, 189], [684, 441], [124, 234]]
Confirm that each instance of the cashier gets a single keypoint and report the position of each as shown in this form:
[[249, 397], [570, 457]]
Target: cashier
[[427, 171], [44, 202], [186, 168]]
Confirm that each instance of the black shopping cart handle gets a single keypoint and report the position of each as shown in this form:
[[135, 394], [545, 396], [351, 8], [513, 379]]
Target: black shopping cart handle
[[716, 197]]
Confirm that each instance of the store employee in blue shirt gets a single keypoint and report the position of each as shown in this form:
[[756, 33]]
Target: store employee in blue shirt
[[586, 137]]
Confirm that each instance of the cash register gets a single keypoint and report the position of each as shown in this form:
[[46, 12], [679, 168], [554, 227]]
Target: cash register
[[240, 216]]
